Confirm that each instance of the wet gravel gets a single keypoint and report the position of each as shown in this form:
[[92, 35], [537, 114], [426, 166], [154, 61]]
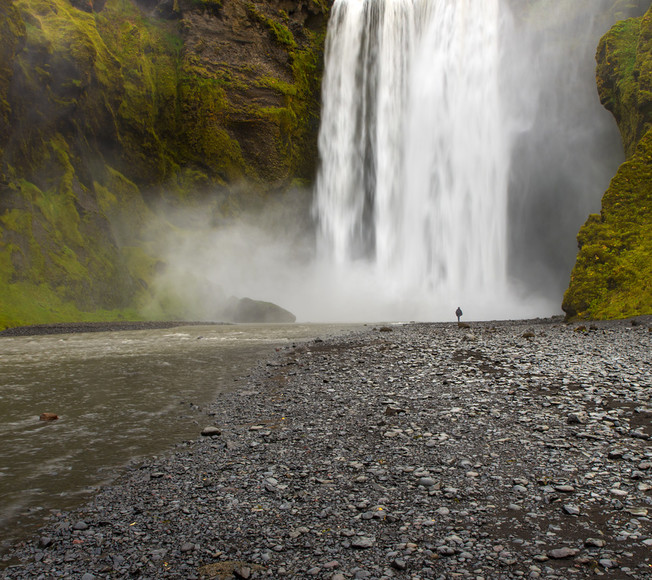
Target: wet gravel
[[503, 450]]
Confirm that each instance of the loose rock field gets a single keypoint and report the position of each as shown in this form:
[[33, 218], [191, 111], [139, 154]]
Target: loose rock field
[[503, 450]]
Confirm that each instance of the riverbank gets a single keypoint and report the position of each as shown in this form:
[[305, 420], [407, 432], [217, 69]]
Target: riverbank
[[114, 326], [504, 450]]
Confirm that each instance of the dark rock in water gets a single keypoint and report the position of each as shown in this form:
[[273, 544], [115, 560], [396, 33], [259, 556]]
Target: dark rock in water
[[248, 310], [48, 417]]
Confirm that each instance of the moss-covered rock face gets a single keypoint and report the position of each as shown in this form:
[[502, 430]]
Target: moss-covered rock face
[[108, 108], [612, 277], [12, 34]]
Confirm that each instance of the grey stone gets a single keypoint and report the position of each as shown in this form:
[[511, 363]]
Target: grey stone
[[399, 564], [561, 553], [362, 542], [595, 543], [211, 431], [426, 481], [571, 510]]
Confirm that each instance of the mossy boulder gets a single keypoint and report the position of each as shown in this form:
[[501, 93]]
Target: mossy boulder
[[612, 277]]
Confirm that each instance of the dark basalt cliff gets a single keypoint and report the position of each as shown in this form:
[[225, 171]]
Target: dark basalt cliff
[[110, 108], [612, 277]]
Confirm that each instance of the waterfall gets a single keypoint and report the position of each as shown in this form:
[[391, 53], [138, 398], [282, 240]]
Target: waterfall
[[415, 150], [415, 147], [462, 145]]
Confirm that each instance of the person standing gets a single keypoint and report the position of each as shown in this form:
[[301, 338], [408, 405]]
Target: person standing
[[458, 313]]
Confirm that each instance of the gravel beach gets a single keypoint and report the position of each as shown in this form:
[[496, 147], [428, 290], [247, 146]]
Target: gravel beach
[[501, 450]]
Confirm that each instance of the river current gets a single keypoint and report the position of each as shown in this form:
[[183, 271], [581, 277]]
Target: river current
[[119, 396]]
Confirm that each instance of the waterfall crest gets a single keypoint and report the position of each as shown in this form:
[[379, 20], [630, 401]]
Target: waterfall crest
[[415, 148]]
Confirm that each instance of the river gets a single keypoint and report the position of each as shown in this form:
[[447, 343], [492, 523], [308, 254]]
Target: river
[[119, 396]]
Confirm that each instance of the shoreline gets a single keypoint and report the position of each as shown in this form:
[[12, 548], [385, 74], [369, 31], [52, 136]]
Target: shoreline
[[123, 325], [407, 451], [115, 326]]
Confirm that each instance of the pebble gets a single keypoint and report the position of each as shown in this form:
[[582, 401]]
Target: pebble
[[560, 553], [426, 481], [572, 510], [362, 543], [595, 542], [211, 431], [417, 453]]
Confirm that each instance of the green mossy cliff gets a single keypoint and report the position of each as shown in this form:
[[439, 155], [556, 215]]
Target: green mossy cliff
[[111, 108], [612, 277]]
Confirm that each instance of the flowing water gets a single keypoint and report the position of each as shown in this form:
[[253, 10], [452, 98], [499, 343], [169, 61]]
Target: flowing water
[[410, 155], [426, 105], [415, 146], [119, 396]]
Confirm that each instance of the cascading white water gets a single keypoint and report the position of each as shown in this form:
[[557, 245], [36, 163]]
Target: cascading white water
[[440, 119], [415, 149]]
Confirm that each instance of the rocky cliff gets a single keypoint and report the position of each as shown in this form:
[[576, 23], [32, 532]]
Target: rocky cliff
[[612, 277], [113, 109], [110, 108]]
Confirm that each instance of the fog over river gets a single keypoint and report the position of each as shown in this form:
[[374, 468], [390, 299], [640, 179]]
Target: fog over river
[[120, 396]]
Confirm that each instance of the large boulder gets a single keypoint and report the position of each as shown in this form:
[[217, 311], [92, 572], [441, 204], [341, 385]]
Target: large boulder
[[246, 310]]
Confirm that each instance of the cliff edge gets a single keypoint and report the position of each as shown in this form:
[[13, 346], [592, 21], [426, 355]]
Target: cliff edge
[[612, 277]]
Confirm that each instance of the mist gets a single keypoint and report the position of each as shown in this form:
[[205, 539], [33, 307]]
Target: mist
[[270, 254], [567, 146], [561, 149]]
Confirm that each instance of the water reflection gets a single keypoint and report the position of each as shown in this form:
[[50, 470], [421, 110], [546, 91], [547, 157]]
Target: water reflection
[[119, 396]]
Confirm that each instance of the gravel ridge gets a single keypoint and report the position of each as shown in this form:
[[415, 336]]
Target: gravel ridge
[[502, 450]]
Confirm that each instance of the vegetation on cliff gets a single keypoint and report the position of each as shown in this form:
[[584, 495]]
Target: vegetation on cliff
[[612, 277], [108, 109]]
